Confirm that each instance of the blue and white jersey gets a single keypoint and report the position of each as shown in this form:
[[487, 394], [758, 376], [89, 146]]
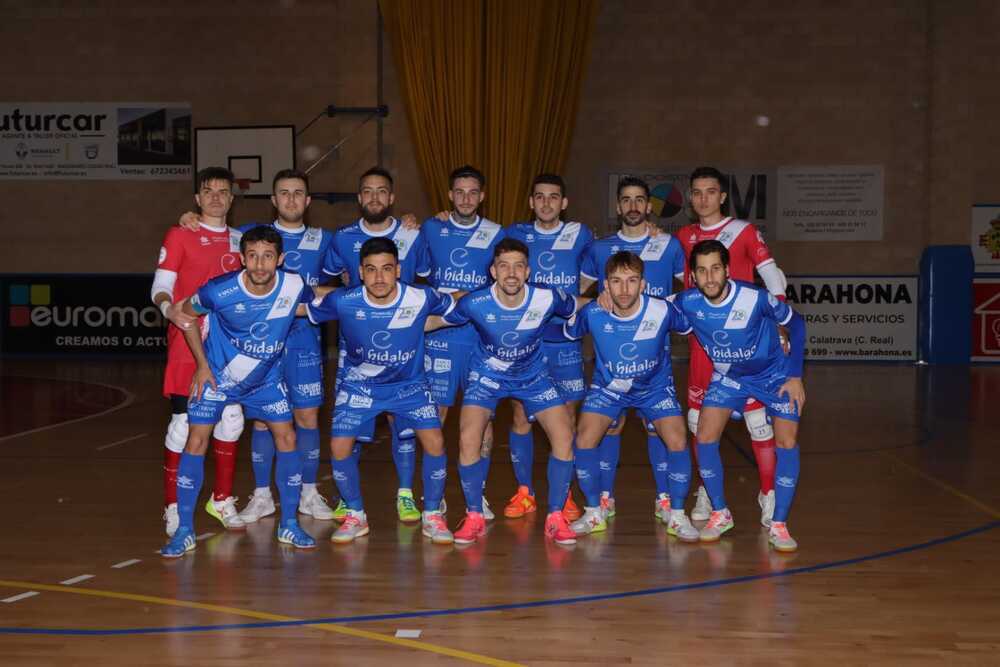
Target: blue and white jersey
[[555, 257], [740, 334], [632, 353], [305, 251], [461, 256], [510, 339], [384, 344], [247, 332], [662, 256], [344, 257]]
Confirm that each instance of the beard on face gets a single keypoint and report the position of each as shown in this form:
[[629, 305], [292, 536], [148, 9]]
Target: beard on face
[[375, 218]]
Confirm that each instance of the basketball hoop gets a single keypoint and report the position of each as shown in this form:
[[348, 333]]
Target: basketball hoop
[[242, 187]]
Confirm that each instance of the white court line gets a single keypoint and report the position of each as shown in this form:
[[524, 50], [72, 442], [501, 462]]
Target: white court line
[[129, 399], [408, 634], [76, 580], [121, 442], [15, 598], [203, 536], [125, 563]]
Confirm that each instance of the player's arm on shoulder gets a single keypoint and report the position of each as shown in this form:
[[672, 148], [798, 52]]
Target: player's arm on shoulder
[[190, 220], [586, 282], [679, 322], [322, 308], [604, 301]]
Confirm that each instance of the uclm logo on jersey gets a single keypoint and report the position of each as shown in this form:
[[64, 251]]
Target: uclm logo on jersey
[[34, 306]]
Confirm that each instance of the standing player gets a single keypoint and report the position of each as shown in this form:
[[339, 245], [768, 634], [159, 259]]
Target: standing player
[[737, 324], [555, 250], [461, 251], [509, 318], [632, 370], [663, 262], [382, 326], [250, 313], [747, 252], [189, 259], [375, 200]]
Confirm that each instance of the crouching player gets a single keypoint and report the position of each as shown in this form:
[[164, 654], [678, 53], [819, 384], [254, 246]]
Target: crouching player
[[250, 313], [382, 325], [737, 324], [632, 370]]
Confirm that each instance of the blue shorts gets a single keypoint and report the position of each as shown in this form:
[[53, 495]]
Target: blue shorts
[[303, 372], [446, 361], [565, 364], [267, 402], [485, 388], [367, 431], [357, 406], [727, 392], [653, 404]]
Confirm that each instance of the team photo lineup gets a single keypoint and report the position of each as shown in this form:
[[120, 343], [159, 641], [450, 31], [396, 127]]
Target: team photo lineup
[[459, 311]]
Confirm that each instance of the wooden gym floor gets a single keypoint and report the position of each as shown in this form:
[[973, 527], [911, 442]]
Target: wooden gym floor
[[896, 516]]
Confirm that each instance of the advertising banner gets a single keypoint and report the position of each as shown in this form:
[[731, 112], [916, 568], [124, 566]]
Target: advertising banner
[[78, 140], [857, 318], [66, 314], [985, 239], [830, 203], [986, 318]]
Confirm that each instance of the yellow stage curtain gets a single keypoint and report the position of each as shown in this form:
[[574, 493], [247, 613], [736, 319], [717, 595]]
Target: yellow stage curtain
[[493, 83]]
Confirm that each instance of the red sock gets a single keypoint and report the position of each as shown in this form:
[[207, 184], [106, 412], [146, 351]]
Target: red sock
[[225, 468], [171, 461], [763, 451]]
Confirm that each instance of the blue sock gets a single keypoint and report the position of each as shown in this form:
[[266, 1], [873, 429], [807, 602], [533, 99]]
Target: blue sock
[[679, 479], [262, 457], [522, 456], [560, 474], [435, 472], [190, 475], [471, 477], [404, 455], [588, 475], [610, 451], [710, 467], [348, 479], [307, 443], [484, 464], [288, 477], [658, 458], [786, 478]]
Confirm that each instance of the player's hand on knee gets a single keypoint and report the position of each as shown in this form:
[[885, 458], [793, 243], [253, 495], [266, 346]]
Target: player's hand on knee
[[202, 377], [605, 302], [190, 220], [409, 221], [796, 393], [175, 313]]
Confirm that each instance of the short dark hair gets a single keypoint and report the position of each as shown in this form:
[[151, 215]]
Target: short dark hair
[[623, 259], [212, 174], [376, 171], [707, 248], [290, 173], [378, 245], [549, 179], [509, 244], [709, 172], [265, 233], [466, 171], [631, 182]]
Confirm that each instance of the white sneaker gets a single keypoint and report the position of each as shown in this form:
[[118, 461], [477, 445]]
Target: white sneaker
[[718, 523], [680, 527], [702, 506], [314, 505], [171, 518], [354, 526], [487, 512], [436, 529], [261, 504], [661, 508], [780, 539], [592, 521], [225, 512], [766, 502]]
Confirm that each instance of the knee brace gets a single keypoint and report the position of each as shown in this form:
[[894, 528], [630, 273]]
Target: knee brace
[[177, 432], [693, 414], [758, 425], [230, 426]]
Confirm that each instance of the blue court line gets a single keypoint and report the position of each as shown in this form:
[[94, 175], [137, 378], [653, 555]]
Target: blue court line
[[716, 583]]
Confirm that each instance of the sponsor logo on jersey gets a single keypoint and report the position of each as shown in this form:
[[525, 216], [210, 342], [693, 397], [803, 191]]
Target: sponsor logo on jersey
[[240, 308], [276, 408], [486, 382], [423, 412], [490, 317], [204, 240], [311, 389], [608, 328], [360, 314], [357, 246], [163, 255], [442, 365], [359, 402]]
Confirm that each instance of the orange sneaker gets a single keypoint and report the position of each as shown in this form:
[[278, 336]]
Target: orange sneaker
[[557, 528], [570, 510], [521, 503], [473, 527]]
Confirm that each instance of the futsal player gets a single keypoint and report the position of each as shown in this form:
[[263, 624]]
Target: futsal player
[[737, 324], [188, 259], [250, 314], [382, 327]]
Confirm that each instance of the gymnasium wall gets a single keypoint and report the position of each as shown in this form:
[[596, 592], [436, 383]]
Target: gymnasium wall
[[911, 86]]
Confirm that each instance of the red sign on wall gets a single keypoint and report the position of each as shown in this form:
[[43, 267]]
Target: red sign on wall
[[986, 319]]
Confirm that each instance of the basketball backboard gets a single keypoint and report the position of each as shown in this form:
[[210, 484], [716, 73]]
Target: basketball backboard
[[253, 153]]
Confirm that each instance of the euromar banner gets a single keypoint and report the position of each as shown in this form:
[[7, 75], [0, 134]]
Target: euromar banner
[[82, 140]]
